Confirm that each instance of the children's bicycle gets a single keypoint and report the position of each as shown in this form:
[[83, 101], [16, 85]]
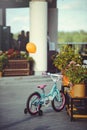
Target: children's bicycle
[[36, 100]]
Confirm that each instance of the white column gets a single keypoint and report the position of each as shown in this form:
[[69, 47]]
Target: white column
[[38, 34]]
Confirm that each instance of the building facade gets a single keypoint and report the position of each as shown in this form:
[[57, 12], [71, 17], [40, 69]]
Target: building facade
[[43, 21]]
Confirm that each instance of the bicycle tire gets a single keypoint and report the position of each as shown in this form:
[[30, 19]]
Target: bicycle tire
[[37, 106], [60, 104]]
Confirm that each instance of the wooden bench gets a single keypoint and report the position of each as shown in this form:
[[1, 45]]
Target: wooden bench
[[16, 68]]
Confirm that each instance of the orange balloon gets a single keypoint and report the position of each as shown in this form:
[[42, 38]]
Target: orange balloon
[[31, 47]]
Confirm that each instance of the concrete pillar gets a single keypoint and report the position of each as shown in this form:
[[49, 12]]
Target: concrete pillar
[[38, 34], [1, 21], [3, 16], [53, 27]]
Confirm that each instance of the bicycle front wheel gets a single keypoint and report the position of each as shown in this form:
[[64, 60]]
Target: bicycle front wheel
[[33, 103], [58, 105]]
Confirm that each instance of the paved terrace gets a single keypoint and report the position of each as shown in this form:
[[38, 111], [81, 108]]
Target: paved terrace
[[13, 95]]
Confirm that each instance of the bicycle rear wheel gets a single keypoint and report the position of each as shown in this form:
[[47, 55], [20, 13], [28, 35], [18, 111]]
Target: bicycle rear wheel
[[33, 103], [58, 105]]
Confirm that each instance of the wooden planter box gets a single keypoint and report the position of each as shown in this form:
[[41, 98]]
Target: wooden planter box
[[76, 106], [17, 68]]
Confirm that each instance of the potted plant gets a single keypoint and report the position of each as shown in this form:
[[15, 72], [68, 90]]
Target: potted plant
[[3, 62], [77, 75], [63, 58]]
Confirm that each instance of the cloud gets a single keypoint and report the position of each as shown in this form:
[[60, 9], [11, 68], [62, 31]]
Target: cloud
[[73, 5], [72, 15], [17, 28], [20, 19]]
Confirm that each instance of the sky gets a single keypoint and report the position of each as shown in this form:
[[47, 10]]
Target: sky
[[72, 16]]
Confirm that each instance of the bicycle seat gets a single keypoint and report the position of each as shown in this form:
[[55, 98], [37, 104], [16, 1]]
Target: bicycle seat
[[42, 86]]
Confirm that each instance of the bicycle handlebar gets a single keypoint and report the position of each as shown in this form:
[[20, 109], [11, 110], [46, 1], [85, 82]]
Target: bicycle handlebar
[[55, 77]]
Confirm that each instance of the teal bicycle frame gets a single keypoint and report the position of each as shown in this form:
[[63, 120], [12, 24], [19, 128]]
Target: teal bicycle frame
[[51, 95], [55, 92]]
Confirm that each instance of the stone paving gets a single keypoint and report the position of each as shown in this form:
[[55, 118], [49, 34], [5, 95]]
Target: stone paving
[[13, 95]]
